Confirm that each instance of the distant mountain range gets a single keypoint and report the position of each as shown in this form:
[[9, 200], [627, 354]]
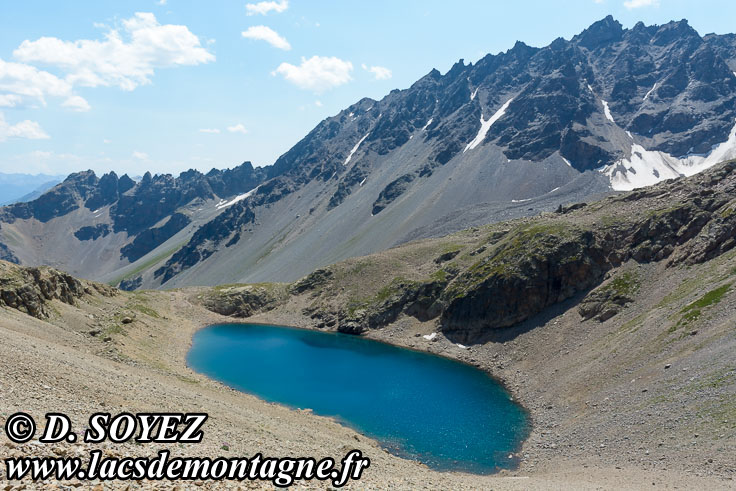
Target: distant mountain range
[[512, 135], [25, 187]]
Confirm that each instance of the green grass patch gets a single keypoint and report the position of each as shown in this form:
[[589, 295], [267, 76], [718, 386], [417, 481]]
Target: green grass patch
[[693, 311], [145, 310], [624, 284], [439, 275]]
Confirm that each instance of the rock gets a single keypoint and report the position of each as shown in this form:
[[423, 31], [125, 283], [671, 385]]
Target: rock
[[92, 232], [446, 256], [147, 240], [131, 284], [392, 191], [314, 280], [245, 300], [127, 320], [29, 289]]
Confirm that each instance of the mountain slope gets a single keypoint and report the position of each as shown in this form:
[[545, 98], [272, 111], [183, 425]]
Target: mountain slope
[[94, 226], [627, 371], [515, 134], [512, 135]]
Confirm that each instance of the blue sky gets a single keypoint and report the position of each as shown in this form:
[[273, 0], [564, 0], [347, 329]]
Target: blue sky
[[172, 85]]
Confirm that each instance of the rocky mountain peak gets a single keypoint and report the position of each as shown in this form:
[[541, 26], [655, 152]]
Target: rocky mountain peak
[[514, 134], [605, 31]]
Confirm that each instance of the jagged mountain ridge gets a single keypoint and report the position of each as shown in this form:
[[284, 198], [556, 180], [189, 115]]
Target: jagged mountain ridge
[[112, 219], [514, 134], [24, 187], [586, 102]]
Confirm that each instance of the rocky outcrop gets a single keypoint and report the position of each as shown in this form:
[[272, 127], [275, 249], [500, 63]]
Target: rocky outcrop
[[245, 300], [207, 239], [608, 300], [396, 188], [312, 281], [92, 232], [58, 201], [7, 255], [131, 284], [535, 268], [157, 197], [151, 238], [519, 270], [30, 289]]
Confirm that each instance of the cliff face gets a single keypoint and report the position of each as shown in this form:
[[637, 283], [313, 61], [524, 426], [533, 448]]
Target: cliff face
[[499, 276], [29, 290]]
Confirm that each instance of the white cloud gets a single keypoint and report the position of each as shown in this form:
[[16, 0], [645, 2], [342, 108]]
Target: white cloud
[[76, 103], [238, 128], [264, 8], [318, 73], [267, 34], [140, 155], [22, 84], [10, 100], [106, 141], [318, 103], [25, 129], [209, 130], [125, 60], [635, 4], [379, 72]]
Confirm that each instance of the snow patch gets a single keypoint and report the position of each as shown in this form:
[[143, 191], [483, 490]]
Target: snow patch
[[555, 189], [486, 125], [475, 92], [363, 181], [224, 204], [520, 200], [428, 123], [630, 135], [461, 346], [566, 161], [650, 91], [607, 111], [355, 149], [590, 89], [430, 337], [647, 167]]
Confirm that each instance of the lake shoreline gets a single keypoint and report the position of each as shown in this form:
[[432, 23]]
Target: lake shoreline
[[143, 368], [213, 354]]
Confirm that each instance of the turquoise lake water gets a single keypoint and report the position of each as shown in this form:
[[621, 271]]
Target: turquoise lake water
[[446, 414]]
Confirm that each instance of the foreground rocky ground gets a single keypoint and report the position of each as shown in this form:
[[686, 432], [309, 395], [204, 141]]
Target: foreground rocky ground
[[612, 323]]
